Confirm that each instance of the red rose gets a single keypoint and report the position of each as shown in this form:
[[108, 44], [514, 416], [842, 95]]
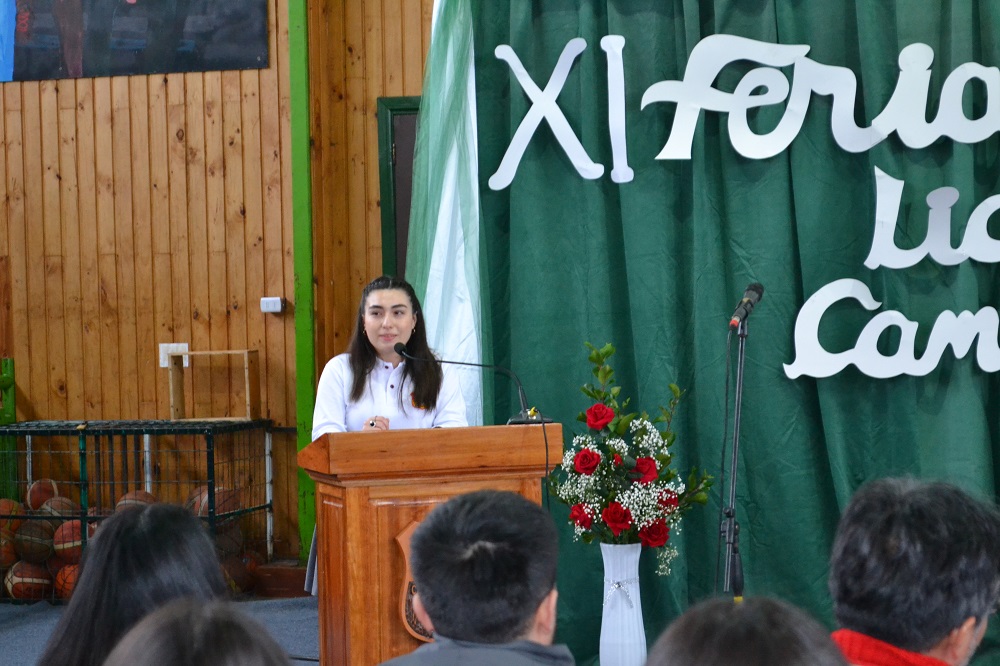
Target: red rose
[[617, 518], [599, 416], [647, 468], [655, 534], [586, 461], [668, 500], [617, 460], [578, 516]]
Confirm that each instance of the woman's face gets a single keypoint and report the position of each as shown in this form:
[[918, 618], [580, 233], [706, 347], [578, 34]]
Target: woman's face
[[388, 319]]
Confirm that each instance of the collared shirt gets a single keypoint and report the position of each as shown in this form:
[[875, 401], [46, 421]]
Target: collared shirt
[[335, 412], [862, 650], [447, 652]]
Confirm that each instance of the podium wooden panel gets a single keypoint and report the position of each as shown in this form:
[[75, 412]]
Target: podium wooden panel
[[370, 487]]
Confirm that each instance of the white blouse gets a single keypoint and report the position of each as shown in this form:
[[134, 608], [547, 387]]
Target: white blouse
[[335, 412]]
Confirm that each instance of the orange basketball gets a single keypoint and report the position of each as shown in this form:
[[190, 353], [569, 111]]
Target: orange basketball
[[136, 497], [67, 542], [28, 581], [197, 501], [66, 580], [10, 514], [33, 541], [39, 492], [8, 555], [60, 508], [227, 501]]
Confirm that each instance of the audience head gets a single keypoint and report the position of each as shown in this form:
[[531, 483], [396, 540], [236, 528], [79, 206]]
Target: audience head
[[756, 632], [915, 561], [187, 632], [485, 568], [140, 558]]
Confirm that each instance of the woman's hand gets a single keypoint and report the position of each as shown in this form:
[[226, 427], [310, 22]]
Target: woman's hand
[[376, 423]]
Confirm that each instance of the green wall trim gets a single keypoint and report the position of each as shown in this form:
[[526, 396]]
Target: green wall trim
[[302, 246]]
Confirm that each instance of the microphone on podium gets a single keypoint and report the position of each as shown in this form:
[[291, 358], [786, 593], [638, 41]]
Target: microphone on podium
[[751, 297], [525, 416]]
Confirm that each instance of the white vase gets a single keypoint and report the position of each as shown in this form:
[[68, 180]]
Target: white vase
[[623, 639]]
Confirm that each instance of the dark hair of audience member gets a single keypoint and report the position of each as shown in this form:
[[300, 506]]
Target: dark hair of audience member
[[188, 632], [756, 632], [140, 558], [483, 563], [913, 560], [427, 377]]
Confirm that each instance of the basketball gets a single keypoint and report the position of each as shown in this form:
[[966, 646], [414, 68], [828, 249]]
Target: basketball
[[8, 555], [60, 508], [229, 541], [33, 541], [136, 498], [66, 580], [39, 492], [226, 501], [28, 581], [197, 501], [67, 542], [55, 564], [10, 512]]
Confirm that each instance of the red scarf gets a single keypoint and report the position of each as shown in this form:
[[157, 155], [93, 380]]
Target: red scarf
[[862, 650]]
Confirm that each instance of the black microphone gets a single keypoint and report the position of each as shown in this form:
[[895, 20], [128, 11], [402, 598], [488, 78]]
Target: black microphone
[[751, 297], [526, 415]]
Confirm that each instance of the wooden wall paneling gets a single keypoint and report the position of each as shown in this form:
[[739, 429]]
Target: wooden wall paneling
[[322, 82], [34, 223], [357, 273], [107, 262], [381, 72], [215, 196], [17, 235], [198, 239], [121, 150], [386, 75], [90, 285], [161, 223], [336, 222], [52, 322], [71, 251], [413, 48], [327, 137], [181, 264], [236, 230], [253, 237], [141, 175]]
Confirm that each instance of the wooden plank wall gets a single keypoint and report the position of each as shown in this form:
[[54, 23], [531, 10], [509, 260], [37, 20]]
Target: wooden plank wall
[[359, 50], [150, 209]]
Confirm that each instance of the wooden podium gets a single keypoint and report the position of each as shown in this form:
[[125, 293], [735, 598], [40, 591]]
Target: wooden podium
[[372, 487]]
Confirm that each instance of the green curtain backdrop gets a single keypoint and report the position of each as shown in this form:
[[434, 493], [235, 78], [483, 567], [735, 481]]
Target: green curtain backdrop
[[656, 266]]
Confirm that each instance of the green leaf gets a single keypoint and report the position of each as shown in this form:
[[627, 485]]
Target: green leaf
[[676, 390]]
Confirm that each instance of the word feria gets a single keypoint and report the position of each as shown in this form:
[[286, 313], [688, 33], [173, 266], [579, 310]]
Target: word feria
[[761, 86]]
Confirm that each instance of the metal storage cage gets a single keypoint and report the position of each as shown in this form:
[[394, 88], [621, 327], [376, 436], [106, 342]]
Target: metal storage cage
[[220, 469]]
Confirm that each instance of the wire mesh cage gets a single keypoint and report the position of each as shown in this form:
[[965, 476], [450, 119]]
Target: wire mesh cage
[[59, 479]]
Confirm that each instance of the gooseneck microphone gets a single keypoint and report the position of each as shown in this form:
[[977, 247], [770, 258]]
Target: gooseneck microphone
[[526, 415], [751, 297]]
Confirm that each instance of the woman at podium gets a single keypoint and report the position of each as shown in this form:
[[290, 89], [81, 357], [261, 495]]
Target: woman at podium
[[372, 387]]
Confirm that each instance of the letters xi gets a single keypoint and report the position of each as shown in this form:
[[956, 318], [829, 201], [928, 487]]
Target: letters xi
[[904, 113]]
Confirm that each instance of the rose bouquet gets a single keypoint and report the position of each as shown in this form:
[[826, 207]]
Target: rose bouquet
[[617, 478]]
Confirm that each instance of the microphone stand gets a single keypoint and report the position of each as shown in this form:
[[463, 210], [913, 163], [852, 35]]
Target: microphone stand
[[733, 576]]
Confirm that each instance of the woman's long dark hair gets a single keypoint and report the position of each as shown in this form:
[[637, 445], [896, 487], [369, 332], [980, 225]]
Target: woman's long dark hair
[[425, 374], [140, 558]]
